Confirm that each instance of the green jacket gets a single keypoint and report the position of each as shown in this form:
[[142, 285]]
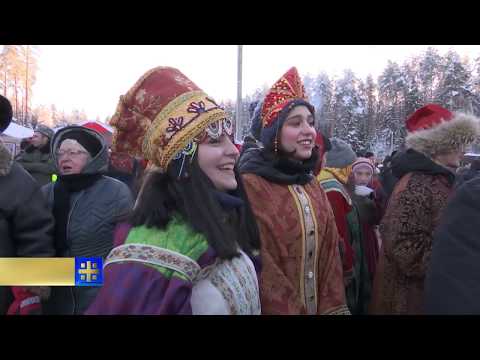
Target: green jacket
[[38, 164], [358, 292]]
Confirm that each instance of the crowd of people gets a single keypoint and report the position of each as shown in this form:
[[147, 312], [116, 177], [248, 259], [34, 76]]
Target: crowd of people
[[290, 222]]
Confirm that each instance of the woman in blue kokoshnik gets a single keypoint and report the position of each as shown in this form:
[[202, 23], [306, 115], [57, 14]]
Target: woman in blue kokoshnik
[[190, 244]]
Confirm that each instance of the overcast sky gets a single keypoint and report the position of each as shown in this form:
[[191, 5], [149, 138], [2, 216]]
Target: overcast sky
[[93, 77]]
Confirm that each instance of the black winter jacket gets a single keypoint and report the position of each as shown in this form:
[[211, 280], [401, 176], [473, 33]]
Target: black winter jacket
[[94, 213], [26, 223]]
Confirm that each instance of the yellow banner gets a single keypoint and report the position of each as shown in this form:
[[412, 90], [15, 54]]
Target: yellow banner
[[37, 271]]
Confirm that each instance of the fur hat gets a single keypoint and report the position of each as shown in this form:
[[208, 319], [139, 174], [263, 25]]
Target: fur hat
[[165, 115], [433, 130], [363, 163], [6, 113], [287, 93], [45, 130], [341, 155]]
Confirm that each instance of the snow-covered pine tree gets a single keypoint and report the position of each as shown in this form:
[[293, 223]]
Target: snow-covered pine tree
[[324, 106], [411, 89], [429, 70], [455, 87], [372, 105], [391, 113], [347, 110], [475, 71], [476, 77], [361, 117]]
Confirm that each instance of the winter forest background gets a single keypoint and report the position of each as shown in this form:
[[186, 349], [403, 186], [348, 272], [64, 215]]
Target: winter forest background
[[18, 71], [368, 113]]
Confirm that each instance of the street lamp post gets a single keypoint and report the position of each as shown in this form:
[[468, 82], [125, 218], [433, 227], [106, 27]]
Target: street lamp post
[[239, 108]]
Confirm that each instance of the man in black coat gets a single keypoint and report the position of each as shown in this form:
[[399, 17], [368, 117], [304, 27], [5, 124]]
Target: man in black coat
[[26, 224], [453, 279]]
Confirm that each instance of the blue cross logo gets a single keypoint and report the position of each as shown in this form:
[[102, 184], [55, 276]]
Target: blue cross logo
[[88, 271]]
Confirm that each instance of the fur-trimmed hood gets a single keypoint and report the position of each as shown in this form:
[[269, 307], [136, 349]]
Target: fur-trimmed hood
[[98, 164], [5, 160], [462, 129]]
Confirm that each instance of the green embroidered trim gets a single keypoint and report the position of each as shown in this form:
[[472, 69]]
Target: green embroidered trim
[[334, 185], [178, 237]]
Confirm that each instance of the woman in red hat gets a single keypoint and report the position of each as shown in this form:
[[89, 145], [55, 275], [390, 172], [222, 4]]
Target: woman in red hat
[[301, 265], [435, 141], [190, 244]]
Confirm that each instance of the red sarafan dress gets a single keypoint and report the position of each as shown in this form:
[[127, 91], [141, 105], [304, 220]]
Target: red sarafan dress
[[301, 266]]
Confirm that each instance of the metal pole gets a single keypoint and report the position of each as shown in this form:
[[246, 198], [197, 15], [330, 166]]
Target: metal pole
[[26, 85], [239, 108]]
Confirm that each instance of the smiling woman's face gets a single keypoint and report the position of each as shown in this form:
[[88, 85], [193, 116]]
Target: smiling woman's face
[[298, 133], [217, 158]]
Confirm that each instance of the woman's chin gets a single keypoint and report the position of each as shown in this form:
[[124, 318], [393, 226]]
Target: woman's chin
[[303, 155]]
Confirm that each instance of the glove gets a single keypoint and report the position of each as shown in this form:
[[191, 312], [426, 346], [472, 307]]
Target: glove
[[361, 190], [25, 302]]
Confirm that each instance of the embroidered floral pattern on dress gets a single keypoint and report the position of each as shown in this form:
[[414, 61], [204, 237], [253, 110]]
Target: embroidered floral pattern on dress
[[235, 279], [237, 282], [156, 256]]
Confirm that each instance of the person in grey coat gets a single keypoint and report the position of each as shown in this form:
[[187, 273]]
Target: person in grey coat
[[26, 224], [86, 205], [36, 157]]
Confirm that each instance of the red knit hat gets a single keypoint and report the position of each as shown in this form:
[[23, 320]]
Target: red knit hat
[[433, 129]]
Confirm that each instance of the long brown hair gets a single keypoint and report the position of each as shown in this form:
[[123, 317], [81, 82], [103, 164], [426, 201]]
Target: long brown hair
[[163, 195]]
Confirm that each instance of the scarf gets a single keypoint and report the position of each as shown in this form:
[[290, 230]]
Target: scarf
[[62, 190], [228, 201], [279, 170]]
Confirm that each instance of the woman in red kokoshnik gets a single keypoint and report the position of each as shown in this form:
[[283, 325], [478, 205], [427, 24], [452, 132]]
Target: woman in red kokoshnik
[[301, 265], [190, 245]]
